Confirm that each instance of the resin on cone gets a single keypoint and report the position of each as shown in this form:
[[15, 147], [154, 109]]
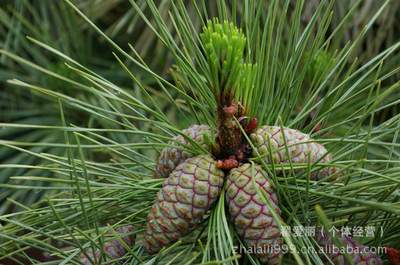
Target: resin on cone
[[359, 254], [113, 249], [187, 194], [171, 157], [253, 221], [299, 151]]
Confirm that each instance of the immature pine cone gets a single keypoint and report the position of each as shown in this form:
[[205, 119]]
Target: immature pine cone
[[113, 249], [252, 219], [171, 157], [360, 254], [299, 152], [186, 195]]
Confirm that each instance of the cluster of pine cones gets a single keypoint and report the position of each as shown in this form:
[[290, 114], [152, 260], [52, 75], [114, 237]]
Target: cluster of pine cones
[[236, 159], [193, 184]]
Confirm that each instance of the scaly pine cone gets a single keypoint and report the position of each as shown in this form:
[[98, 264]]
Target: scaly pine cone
[[187, 194], [171, 157], [299, 153], [360, 255], [114, 248], [252, 219]]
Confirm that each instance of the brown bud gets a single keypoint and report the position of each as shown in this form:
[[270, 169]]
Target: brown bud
[[227, 163], [230, 111], [252, 125]]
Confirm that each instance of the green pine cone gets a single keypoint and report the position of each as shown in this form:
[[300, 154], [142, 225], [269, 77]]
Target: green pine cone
[[252, 219], [299, 152], [360, 254], [187, 194], [171, 157], [113, 249]]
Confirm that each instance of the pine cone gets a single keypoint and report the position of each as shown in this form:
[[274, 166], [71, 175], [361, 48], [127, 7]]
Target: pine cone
[[187, 194], [113, 249], [171, 157], [299, 152], [252, 219], [360, 254]]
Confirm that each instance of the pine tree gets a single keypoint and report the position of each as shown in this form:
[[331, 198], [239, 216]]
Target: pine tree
[[97, 121]]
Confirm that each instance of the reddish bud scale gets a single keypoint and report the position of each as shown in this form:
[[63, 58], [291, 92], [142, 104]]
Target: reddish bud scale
[[359, 254], [252, 219], [113, 249], [187, 194], [171, 157], [252, 125], [228, 163], [299, 152], [230, 111]]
